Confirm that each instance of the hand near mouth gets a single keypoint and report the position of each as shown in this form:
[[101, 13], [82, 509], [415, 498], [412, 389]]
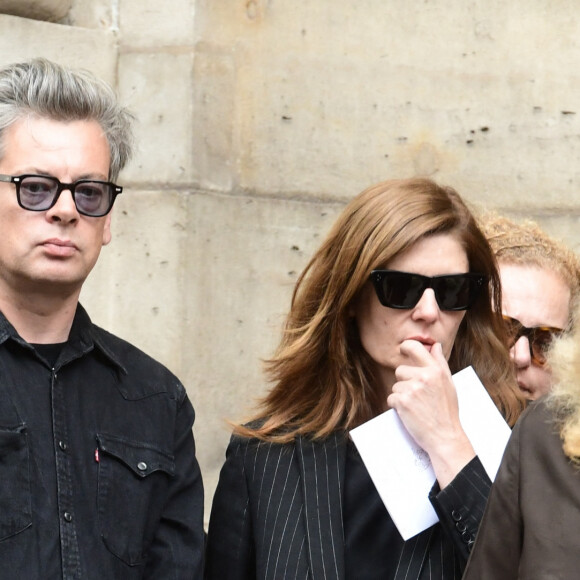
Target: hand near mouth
[[425, 399], [426, 341]]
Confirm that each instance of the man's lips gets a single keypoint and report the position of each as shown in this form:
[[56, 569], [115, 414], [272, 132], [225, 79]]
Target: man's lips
[[523, 387], [58, 247]]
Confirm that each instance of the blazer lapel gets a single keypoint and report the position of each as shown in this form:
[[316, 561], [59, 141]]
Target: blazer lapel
[[322, 465], [413, 556]]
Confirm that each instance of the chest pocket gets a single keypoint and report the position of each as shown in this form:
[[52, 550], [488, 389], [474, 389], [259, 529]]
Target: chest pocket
[[132, 489], [15, 497]]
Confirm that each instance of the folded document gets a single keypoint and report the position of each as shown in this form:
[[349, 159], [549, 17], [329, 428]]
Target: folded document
[[402, 471]]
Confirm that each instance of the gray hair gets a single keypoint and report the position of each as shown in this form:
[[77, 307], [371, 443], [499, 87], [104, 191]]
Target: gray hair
[[45, 89]]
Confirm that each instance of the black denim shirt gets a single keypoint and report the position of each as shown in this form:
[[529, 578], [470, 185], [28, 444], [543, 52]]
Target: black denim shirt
[[98, 475]]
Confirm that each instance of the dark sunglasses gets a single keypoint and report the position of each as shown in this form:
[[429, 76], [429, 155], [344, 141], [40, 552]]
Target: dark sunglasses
[[403, 290], [539, 338], [92, 198]]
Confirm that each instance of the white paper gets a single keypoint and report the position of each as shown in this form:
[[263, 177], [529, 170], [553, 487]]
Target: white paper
[[402, 471]]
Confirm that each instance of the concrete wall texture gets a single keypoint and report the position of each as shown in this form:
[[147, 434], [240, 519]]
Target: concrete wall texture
[[259, 119]]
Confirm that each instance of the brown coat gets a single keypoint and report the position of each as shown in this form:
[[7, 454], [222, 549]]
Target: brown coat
[[531, 526]]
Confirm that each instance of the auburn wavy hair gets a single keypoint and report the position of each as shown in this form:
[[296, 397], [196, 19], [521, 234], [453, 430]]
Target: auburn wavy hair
[[322, 377]]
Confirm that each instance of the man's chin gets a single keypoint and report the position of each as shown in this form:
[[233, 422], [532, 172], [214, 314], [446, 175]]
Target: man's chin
[[54, 282]]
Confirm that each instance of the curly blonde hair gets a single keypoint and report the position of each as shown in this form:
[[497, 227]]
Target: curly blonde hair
[[526, 244], [564, 400]]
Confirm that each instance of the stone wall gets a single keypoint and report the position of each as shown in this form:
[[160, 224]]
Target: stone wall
[[259, 119]]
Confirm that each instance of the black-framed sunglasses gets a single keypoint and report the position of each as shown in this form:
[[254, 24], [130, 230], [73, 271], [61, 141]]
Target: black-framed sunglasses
[[539, 338], [40, 192], [403, 290]]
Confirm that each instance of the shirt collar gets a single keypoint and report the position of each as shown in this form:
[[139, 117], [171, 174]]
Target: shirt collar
[[83, 337]]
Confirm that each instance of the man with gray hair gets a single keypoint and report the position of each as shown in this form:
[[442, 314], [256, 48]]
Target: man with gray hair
[[98, 474]]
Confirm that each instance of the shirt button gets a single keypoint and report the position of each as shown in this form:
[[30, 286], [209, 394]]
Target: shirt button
[[67, 517], [63, 446], [142, 466]]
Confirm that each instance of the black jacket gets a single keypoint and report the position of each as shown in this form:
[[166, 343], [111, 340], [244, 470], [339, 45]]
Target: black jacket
[[98, 475], [277, 513]]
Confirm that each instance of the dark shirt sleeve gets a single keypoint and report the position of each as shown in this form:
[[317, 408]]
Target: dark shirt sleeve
[[460, 506], [230, 547], [496, 553], [178, 546]]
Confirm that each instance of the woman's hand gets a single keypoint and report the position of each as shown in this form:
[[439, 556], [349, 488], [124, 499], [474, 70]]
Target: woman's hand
[[426, 401]]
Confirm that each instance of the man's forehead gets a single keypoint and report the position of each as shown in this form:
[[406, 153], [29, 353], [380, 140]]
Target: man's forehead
[[41, 145], [536, 296]]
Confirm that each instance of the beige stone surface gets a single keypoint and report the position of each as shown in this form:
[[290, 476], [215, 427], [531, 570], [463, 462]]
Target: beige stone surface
[[94, 14], [95, 50], [157, 87], [150, 23], [214, 108], [50, 10], [331, 97]]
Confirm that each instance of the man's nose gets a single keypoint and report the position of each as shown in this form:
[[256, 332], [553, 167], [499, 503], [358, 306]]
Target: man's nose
[[520, 352]]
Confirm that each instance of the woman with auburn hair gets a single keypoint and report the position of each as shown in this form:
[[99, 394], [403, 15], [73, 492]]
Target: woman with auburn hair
[[403, 292], [530, 527]]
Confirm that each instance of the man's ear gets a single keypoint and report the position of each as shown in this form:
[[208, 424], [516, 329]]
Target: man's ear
[[107, 229]]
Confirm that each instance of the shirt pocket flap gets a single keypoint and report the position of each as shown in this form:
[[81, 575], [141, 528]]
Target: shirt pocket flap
[[15, 493], [141, 458], [12, 440]]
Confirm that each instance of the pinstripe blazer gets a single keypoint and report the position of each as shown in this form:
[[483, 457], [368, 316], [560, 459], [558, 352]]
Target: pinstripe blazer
[[277, 514]]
